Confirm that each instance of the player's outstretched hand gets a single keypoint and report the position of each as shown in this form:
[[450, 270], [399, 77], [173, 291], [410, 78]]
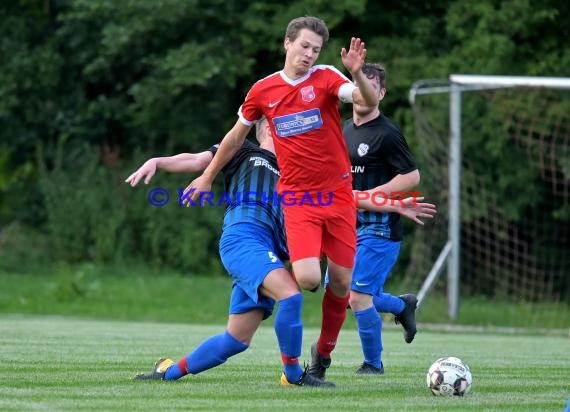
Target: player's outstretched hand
[[148, 169], [353, 59], [191, 195], [414, 209]]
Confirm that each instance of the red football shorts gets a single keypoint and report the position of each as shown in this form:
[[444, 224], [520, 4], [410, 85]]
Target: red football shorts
[[321, 224]]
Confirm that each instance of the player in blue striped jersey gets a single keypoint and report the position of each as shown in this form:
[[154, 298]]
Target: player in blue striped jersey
[[252, 251]]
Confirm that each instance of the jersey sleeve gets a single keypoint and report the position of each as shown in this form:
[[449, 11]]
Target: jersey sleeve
[[345, 92], [340, 85], [214, 149], [249, 112], [246, 145]]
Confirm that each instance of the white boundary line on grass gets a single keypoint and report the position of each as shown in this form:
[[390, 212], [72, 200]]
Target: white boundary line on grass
[[506, 330]]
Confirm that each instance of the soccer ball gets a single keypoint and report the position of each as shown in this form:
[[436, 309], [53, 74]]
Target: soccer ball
[[449, 376]]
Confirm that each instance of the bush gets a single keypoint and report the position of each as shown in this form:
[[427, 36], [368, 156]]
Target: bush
[[92, 215]]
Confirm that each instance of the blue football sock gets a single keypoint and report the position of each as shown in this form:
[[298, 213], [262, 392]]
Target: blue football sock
[[174, 372], [369, 325], [388, 303], [289, 331], [211, 353]]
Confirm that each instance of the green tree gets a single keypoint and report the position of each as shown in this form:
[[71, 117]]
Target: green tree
[[90, 88]]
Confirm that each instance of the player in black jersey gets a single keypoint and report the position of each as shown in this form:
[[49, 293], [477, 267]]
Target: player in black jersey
[[382, 161]]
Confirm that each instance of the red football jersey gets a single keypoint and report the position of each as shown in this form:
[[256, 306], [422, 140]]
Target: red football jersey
[[305, 121]]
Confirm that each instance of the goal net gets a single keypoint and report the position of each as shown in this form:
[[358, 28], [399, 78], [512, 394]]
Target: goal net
[[506, 185]]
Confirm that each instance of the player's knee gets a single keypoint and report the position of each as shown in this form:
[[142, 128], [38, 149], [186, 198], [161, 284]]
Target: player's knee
[[308, 281], [354, 302], [340, 279], [307, 276], [359, 301], [242, 337], [339, 286], [340, 290]]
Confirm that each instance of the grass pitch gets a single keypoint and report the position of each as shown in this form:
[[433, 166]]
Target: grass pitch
[[60, 363]]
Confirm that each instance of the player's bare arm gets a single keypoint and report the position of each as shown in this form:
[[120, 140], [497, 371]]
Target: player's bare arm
[[180, 163], [399, 184], [411, 207], [229, 146], [353, 60]]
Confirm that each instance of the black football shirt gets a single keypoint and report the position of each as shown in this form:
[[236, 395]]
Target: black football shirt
[[378, 152]]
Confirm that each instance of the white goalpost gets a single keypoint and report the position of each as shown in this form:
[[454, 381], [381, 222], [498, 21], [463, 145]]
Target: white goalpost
[[457, 85]]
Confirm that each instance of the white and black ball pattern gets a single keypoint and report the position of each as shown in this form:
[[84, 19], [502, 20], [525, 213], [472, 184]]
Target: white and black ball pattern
[[449, 376]]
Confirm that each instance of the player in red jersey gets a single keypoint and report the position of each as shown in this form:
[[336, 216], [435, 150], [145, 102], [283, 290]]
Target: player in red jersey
[[301, 104]]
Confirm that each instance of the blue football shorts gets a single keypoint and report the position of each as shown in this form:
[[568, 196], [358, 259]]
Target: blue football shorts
[[375, 258], [248, 252]]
